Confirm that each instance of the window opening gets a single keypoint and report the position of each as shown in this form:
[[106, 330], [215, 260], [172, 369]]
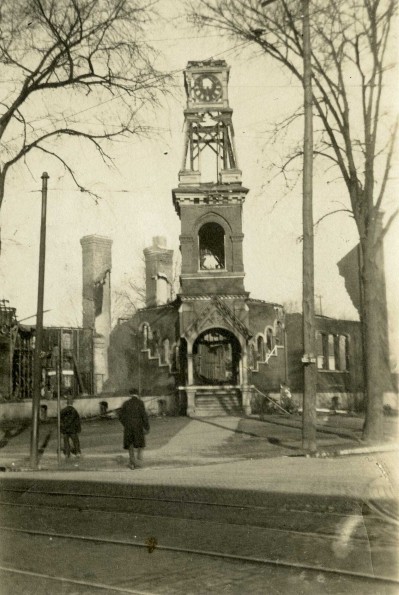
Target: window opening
[[211, 247], [269, 339], [67, 340], [165, 351], [343, 355], [331, 352], [145, 336], [251, 357], [260, 343], [279, 333], [320, 350]]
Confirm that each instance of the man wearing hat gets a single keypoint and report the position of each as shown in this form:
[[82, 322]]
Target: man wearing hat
[[134, 419], [70, 429]]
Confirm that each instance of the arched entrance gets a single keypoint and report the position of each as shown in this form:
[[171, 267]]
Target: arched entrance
[[216, 358]]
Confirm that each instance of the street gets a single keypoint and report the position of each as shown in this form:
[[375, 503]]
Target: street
[[175, 542], [222, 505]]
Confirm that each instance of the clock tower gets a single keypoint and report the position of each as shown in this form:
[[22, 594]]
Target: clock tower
[[213, 313]]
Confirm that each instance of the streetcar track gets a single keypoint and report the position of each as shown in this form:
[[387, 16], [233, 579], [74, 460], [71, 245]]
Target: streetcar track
[[218, 505], [210, 554], [288, 532], [307, 510], [65, 580]]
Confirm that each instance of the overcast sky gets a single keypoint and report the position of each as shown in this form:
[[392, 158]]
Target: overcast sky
[[137, 203]]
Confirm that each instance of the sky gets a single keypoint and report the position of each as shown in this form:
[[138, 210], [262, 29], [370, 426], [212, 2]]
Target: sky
[[136, 201]]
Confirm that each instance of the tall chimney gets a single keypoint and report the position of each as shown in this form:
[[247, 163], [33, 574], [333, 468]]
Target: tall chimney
[[97, 264]]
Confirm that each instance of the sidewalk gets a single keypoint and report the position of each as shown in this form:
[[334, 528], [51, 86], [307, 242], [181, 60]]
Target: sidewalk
[[228, 453]]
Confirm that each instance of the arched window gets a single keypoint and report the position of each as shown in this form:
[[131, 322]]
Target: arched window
[[260, 344], [211, 247], [155, 342], [251, 356], [279, 333], [165, 351], [269, 339], [146, 332], [175, 358]]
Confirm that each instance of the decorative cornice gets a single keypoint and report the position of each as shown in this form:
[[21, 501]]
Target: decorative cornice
[[209, 194], [217, 313]]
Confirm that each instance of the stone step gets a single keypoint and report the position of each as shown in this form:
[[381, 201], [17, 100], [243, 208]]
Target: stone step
[[218, 402], [216, 399], [216, 413]]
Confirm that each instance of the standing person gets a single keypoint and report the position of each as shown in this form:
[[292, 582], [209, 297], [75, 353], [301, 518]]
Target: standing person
[[134, 419], [70, 429]]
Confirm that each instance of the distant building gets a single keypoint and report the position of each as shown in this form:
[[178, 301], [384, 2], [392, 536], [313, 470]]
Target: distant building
[[339, 361]]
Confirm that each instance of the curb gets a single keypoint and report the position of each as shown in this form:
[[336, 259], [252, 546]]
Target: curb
[[359, 450], [319, 428]]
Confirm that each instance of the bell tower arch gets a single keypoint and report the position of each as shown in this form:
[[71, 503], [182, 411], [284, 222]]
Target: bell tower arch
[[210, 211]]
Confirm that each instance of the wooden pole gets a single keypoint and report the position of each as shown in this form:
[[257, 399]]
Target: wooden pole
[[37, 365], [59, 371], [309, 359]]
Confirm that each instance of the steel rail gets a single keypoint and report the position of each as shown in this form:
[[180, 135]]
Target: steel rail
[[211, 554], [288, 532], [64, 580], [174, 501]]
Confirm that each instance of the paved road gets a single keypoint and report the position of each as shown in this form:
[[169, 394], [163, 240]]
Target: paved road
[[241, 490], [54, 533]]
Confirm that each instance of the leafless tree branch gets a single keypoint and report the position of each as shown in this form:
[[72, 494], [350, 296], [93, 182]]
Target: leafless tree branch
[[90, 48]]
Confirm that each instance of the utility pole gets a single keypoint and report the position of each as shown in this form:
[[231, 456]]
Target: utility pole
[[308, 309], [59, 372], [37, 366]]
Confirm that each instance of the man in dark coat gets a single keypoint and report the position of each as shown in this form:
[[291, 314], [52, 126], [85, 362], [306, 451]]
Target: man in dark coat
[[70, 429], [134, 419]]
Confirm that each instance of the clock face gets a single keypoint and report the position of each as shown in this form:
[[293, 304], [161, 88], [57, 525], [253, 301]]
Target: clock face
[[207, 87]]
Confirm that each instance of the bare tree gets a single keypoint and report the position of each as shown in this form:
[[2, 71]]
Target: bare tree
[[72, 69], [128, 298], [130, 295], [356, 135]]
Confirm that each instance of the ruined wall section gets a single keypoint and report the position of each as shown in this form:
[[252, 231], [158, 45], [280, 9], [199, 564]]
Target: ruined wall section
[[96, 299]]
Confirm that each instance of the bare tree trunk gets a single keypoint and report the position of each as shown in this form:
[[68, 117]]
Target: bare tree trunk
[[373, 426]]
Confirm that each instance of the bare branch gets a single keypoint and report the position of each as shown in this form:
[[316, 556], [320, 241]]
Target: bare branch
[[83, 47]]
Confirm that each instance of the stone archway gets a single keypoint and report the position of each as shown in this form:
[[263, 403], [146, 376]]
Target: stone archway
[[216, 358]]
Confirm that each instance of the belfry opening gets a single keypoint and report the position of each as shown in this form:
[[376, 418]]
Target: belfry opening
[[211, 246]]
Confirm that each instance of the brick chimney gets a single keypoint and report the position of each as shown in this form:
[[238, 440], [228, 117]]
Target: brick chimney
[[97, 264]]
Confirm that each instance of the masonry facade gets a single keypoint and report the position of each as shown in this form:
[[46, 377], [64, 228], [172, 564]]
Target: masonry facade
[[213, 349]]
